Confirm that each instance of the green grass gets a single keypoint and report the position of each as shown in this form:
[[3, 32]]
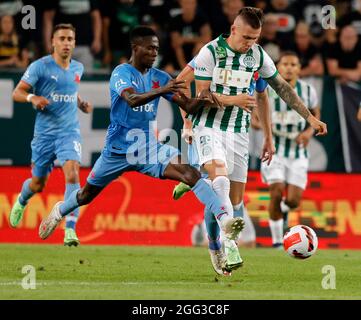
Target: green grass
[[122, 272]]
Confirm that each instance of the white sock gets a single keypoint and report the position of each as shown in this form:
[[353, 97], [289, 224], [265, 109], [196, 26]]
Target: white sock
[[284, 207], [221, 186], [276, 227], [238, 206]]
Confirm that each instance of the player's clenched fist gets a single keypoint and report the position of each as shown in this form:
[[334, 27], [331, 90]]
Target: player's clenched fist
[[39, 102], [319, 126]]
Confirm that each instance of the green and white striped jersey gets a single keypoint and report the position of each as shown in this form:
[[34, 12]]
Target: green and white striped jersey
[[230, 73], [287, 124]]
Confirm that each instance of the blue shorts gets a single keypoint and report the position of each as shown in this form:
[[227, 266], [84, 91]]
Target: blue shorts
[[45, 150], [193, 159], [110, 165]]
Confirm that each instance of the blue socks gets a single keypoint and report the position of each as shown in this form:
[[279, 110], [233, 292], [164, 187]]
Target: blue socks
[[209, 198], [26, 193], [238, 210], [72, 217], [213, 230], [214, 210], [70, 204]]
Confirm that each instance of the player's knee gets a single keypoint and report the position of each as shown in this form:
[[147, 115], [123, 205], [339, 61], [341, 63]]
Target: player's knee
[[83, 197], [191, 176], [37, 187], [72, 176], [275, 214], [276, 192], [293, 203]]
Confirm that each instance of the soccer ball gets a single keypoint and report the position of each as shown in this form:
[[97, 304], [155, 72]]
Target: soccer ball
[[300, 242]]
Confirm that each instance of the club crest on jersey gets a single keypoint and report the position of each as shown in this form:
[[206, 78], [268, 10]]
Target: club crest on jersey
[[204, 140], [221, 52], [77, 78], [206, 151], [155, 84], [249, 61]]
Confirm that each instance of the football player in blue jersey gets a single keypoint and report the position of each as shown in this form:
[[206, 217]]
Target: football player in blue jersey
[[54, 80], [131, 145]]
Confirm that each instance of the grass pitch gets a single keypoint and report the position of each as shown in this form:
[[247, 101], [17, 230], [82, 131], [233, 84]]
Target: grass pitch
[[127, 272]]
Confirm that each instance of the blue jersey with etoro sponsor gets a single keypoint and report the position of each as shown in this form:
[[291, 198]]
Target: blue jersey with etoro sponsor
[[60, 87], [124, 120]]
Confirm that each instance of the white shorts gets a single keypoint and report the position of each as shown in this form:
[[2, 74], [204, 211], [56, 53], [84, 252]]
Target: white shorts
[[229, 147], [290, 171]]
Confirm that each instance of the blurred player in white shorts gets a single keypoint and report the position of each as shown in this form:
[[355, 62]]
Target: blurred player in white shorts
[[288, 169]]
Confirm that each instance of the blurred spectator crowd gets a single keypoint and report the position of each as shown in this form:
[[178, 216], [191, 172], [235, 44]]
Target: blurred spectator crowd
[[184, 26]]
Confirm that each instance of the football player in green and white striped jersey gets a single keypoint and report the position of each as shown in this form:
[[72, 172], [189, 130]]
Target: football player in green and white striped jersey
[[226, 66], [224, 253], [291, 135]]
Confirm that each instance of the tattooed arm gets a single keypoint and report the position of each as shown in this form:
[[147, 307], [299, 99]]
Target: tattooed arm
[[285, 91]]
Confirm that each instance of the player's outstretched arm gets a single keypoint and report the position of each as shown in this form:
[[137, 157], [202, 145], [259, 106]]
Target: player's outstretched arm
[[135, 99], [21, 94], [285, 91]]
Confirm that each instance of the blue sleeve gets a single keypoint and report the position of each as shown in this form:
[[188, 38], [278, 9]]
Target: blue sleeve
[[121, 80], [165, 78], [261, 85], [33, 73], [81, 69]]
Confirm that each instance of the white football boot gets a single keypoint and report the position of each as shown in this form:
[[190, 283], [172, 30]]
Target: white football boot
[[49, 224], [218, 260], [231, 227]]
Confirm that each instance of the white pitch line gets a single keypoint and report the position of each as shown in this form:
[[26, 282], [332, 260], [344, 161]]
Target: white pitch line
[[239, 291]]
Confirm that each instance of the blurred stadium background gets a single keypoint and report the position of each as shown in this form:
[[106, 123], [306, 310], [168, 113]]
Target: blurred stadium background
[[137, 210]]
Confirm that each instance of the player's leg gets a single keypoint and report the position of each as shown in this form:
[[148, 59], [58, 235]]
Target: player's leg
[[30, 187], [248, 235], [108, 167], [210, 145], [276, 216], [236, 195], [218, 258], [214, 213], [68, 152], [42, 158], [294, 196], [296, 181], [275, 176], [181, 188], [71, 173], [216, 149], [169, 166], [205, 194], [237, 160]]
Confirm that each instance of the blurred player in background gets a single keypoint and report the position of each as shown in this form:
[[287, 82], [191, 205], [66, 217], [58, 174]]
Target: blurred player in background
[[291, 134], [230, 257], [131, 144], [54, 80]]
